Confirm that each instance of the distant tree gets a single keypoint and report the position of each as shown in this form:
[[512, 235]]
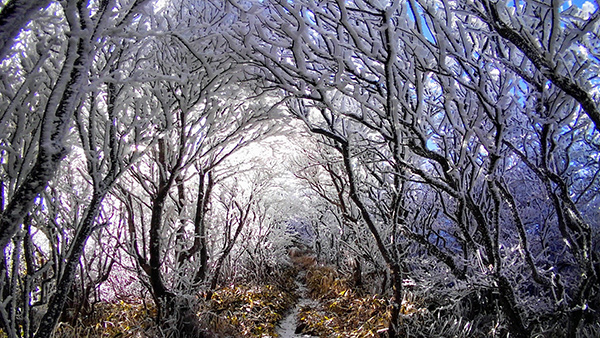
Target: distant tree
[[235, 210], [340, 237]]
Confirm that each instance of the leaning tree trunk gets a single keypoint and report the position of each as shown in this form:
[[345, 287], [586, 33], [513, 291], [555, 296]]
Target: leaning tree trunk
[[57, 117], [199, 245], [161, 295]]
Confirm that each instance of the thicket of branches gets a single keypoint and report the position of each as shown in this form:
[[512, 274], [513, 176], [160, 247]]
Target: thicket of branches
[[450, 151]]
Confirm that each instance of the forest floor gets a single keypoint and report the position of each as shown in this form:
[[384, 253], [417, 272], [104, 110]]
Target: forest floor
[[307, 300], [329, 306]]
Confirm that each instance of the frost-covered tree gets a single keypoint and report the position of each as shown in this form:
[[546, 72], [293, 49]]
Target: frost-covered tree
[[340, 238], [552, 41], [454, 133], [14, 16], [65, 96], [205, 116], [111, 127], [461, 151], [56, 110]]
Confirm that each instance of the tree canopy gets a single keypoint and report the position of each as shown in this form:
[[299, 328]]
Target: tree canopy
[[161, 151]]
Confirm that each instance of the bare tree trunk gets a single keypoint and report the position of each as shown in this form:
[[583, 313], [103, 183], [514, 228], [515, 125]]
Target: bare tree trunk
[[205, 185], [509, 307], [159, 290], [200, 226]]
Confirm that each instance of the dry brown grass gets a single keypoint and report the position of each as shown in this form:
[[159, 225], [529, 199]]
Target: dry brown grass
[[343, 312], [243, 311], [112, 320]]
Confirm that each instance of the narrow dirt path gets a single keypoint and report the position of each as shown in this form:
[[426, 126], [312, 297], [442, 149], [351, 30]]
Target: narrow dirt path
[[287, 326]]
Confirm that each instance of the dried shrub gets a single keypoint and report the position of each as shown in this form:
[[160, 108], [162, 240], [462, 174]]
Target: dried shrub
[[248, 311], [347, 312], [302, 259], [112, 320], [343, 312]]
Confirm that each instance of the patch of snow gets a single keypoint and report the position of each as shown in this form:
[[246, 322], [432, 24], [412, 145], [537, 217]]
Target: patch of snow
[[287, 326]]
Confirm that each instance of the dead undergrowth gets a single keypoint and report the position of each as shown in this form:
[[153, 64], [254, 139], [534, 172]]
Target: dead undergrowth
[[242, 311], [342, 311], [239, 310], [235, 310]]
